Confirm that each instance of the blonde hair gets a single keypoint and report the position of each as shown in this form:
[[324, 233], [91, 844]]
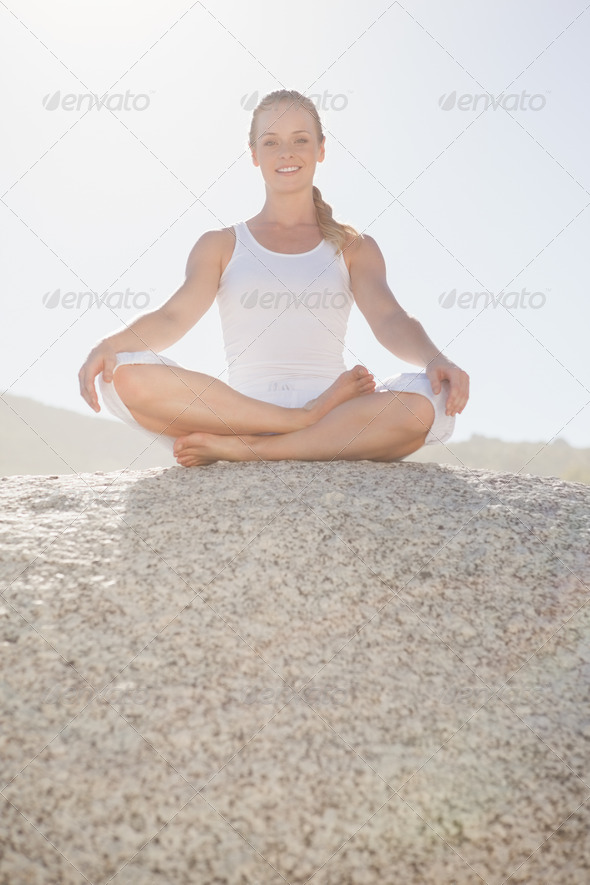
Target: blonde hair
[[332, 230]]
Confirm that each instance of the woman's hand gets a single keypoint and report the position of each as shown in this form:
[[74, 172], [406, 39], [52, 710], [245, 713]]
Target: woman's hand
[[441, 369], [102, 358]]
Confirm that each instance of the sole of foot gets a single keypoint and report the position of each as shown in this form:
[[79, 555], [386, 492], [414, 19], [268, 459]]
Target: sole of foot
[[354, 382]]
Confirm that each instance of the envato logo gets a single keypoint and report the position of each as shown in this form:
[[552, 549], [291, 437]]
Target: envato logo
[[77, 101], [76, 694], [325, 300], [471, 101], [284, 695], [79, 300], [324, 101], [511, 300]]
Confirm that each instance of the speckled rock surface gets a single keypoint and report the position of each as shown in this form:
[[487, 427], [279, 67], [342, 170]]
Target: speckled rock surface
[[356, 673]]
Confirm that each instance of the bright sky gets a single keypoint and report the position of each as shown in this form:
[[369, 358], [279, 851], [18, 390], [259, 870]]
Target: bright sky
[[460, 198]]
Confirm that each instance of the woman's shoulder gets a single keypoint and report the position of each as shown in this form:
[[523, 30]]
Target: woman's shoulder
[[219, 236], [226, 239], [215, 245], [216, 238], [217, 242], [361, 248]]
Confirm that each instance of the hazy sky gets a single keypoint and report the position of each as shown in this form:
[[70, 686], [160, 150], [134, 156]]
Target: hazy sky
[[464, 195]]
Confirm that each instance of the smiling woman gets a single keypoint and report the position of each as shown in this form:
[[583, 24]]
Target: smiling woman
[[284, 281]]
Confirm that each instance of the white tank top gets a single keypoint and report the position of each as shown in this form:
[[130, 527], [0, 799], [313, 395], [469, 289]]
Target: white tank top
[[283, 317]]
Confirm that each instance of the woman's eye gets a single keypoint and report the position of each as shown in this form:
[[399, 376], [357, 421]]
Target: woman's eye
[[298, 139]]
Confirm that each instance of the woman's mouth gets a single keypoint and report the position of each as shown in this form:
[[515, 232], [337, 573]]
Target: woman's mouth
[[288, 170]]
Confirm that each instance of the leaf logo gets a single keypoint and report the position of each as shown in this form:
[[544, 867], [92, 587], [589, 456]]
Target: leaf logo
[[249, 102], [447, 300], [51, 299], [448, 103], [50, 103], [249, 299]]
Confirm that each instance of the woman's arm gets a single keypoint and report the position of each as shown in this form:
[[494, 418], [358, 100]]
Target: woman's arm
[[160, 328], [403, 335]]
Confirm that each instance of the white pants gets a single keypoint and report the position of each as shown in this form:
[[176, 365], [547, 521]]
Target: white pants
[[291, 394]]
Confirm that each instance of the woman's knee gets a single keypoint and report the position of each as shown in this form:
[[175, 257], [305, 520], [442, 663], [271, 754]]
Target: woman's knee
[[414, 414], [130, 382]]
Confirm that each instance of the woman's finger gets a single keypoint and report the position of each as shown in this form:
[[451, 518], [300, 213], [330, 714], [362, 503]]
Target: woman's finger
[[108, 368], [87, 374], [91, 398], [435, 382]]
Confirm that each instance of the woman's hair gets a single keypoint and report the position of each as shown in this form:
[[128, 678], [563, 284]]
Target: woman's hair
[[331, 230]]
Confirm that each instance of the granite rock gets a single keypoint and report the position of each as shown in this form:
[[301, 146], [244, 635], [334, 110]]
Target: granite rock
[[258, 673]]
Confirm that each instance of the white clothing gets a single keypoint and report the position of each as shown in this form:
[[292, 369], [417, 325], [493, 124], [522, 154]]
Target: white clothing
[[284, 320], [283, 317]]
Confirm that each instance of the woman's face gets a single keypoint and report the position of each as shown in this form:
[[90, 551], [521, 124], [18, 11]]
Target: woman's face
[[287, 137]]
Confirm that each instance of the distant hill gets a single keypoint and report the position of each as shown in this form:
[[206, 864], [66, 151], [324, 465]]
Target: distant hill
[[40, 439], [538, 458], [47, 440]]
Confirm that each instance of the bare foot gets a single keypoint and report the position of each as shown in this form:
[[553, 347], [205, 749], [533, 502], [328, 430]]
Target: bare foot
[[200, 449], [354, 382]]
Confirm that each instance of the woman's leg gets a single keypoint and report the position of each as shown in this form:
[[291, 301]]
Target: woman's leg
[[382, 426], [418, 382], [174, 401]]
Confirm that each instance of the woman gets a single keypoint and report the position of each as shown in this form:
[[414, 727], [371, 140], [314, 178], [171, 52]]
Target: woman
[[284, 282]]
